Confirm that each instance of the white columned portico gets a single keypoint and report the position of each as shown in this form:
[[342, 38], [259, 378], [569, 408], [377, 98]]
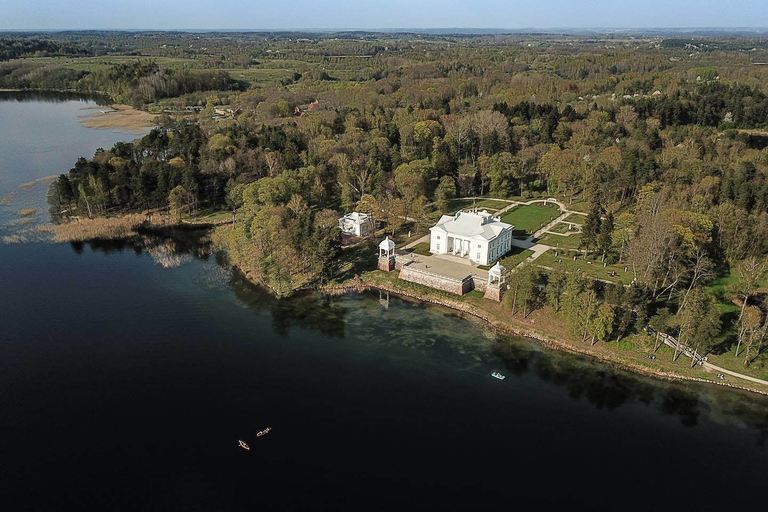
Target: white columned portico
[[460, 246]]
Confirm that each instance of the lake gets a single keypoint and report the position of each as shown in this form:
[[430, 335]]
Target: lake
[[130, 370]]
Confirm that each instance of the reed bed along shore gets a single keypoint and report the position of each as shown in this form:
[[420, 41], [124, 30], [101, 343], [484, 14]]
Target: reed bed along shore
[[103, 228]]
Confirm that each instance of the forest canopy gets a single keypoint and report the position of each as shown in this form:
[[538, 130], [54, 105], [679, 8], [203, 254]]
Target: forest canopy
[[663, 145]]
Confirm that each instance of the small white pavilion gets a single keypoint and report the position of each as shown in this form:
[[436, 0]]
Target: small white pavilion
[[387, 248], [355, 224], [497, 275], [387, 258]]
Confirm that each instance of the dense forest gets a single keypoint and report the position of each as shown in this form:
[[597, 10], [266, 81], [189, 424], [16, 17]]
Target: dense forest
[[664, 143]]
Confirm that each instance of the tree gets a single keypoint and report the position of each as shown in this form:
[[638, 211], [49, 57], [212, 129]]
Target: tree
[[488, 123], [85, 197], [660, 323], [234, 198], [528, 290], [749, 331], [523, 290], [699, 322], [326, 243], [64, 189], [591, 229], [601, 324], [501, 173], [410, 180], [423, 134], [750, 271], [555, 288], [370, 206], [446, 190], [177, 200], [605, 240], [568, 172], [420, 213], [548, 165]]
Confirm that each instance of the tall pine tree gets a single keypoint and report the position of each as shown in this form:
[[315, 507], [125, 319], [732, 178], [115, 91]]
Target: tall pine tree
[[591, 229]]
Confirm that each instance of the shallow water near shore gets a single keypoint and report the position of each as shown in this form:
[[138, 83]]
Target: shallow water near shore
[[129, 371]]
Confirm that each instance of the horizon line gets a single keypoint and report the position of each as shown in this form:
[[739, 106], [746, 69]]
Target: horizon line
[[393, 29]]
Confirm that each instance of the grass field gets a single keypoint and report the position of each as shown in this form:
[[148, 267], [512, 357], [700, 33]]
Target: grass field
[[259, 75], [422, 248], [515, 257], [462, 203], [512, 259], [595, 270], [576, 219], [529, 218], [562, 242], [563, 228]]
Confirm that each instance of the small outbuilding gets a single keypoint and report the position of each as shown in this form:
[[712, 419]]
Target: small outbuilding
[[497, 277], [387, 258], [355, 224]]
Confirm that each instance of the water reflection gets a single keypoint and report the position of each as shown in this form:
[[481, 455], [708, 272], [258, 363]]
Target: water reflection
[[607, 388], [169, 248], [444, 337], [308, 311], [52, 97]]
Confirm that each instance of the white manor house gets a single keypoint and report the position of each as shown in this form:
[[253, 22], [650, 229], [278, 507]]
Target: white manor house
[[479, 236]]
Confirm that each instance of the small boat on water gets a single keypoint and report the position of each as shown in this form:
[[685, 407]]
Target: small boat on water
[[263, 432], [498, 375], [243, 445]]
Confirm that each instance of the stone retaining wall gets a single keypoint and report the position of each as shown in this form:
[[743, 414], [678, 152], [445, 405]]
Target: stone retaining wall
[[479, 283], [438, 282]]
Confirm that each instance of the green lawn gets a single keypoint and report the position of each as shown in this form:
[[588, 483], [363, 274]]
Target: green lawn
[[563, 228], [529, 218], [512, 259], [562, 242], [422, 248], [259, 75], [596, 270], [492, 204], [576, 219], [579, 206], [462, 203], [515, 257]]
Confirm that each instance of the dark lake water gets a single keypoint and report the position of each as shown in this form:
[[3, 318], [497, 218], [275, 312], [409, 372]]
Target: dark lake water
[[128, 372]]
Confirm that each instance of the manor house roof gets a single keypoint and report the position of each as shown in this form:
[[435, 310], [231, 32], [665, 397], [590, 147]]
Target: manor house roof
[[472, 225]]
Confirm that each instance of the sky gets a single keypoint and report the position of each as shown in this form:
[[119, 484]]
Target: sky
[[381, 14]]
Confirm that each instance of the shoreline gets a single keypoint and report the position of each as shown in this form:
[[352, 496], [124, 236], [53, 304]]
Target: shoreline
[[374, 280], [368, 282], [48, 89], [508, 329], [117, 116]]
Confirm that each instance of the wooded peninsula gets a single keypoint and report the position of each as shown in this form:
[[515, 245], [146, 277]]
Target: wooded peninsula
[[656, 148]]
